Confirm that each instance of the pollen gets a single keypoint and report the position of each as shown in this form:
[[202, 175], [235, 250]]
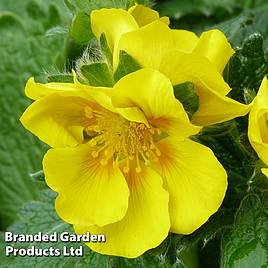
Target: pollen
[[130, 145]]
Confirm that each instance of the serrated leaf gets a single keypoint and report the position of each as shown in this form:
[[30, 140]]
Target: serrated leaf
[[185, 93], [245, 245], [34, 10], [9, 20], [23, 54], [98, 74], [40, 216], [80, 29], [126, 65]]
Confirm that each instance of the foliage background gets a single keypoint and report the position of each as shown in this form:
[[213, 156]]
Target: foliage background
[[34, 42]]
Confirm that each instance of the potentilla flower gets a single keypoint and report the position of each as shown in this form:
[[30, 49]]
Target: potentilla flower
[[258, 130], [179, 54], [122, 21], [137, 175]]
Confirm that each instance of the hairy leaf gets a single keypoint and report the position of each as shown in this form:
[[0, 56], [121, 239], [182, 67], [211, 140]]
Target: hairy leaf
[[98, 74], [245, 245]]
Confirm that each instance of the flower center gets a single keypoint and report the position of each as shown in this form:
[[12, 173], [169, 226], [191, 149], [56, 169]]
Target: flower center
[[123, 141]]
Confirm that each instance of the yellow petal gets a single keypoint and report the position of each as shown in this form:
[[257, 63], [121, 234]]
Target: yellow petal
[[143, 15], [113, 23], [165, 20], [185, 41], [149, 44], [195, 180], [146, 223], [88, 193], [153, 93], [265, 171], [214, 45], [36, 91], [258, 130], [216, 108], [180, 67], [103, 97], [56, 120]]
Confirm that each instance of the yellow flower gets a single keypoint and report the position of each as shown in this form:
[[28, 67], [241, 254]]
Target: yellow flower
[[137, 175], [179, 54], [122, 22], [258, 128]]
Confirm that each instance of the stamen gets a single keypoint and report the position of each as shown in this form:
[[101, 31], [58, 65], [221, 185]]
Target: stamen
[[120, 140], [138, 168], [96, 153]]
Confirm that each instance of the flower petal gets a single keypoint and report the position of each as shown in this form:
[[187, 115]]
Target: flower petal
[[89, 193], [214, 46], [195, 180], [258, 130], [143, 15], [153, 93], [180, 67], [102, 97], [146, 223], [149, 45], [58, 121], [185, 41], [265, 171], [216, 108], [35, 90], [113, 23]]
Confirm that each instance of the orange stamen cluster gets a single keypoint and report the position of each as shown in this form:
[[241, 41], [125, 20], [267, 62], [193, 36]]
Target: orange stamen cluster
[[130, 144]]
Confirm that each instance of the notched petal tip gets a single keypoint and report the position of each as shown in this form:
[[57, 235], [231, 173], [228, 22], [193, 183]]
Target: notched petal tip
[[146, 223]]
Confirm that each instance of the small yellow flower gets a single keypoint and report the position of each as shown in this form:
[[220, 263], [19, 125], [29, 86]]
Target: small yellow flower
[[115, 22], [258, 128], [179, 54], [137, 175]]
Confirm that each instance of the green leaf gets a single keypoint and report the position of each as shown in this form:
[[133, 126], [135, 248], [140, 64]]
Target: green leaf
[[105, 49], [80, 29], [34, 10], [98, 74], [40, 216], [89, 5], [61, 78], [9, 20], [247, 68], [185, 93], [245, 245], [247, 23], [126, 65], [23, 54]]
